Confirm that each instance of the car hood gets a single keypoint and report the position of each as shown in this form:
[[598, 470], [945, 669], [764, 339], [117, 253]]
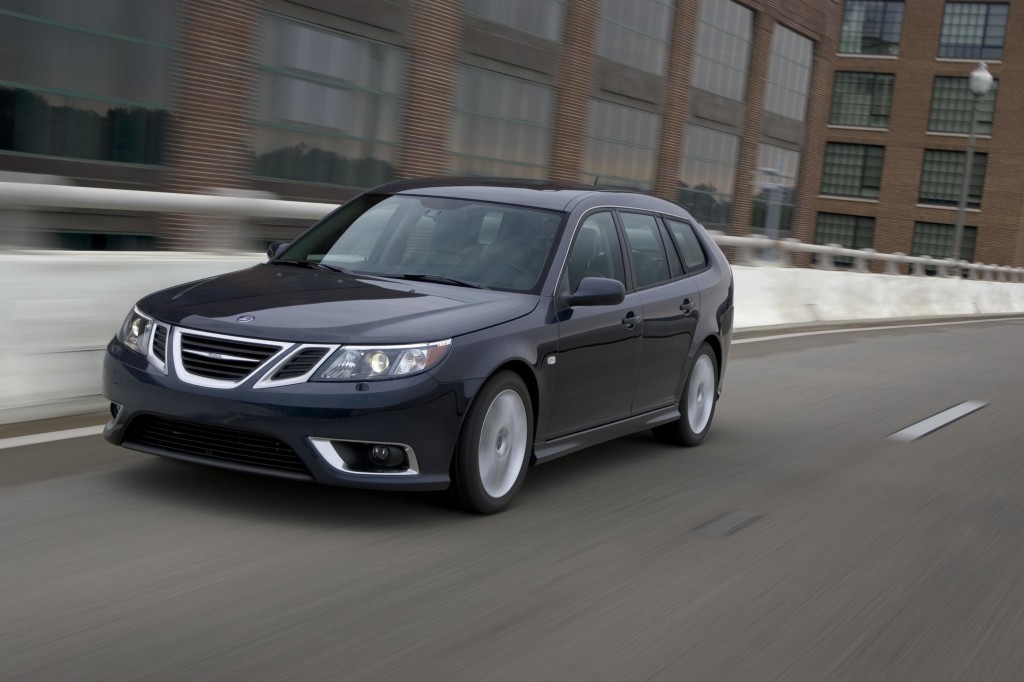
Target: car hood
[[289, 303]]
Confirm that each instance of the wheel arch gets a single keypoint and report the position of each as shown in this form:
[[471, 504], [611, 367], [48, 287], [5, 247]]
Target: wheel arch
[[716, 345], [525, 372]]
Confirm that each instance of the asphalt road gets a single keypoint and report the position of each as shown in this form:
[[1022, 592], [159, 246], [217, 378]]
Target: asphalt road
[[862, 558]]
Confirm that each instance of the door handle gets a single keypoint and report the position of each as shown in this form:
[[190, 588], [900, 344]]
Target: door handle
[[687, 305], [631, 320]]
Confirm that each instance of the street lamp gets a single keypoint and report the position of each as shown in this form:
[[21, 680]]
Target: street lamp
[[980, 81]]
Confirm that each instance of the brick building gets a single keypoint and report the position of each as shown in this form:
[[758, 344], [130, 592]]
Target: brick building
[[899, 119], [691, 100]]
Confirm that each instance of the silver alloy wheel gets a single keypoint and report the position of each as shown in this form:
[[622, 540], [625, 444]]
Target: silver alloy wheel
[[700, 396], [502, 446]]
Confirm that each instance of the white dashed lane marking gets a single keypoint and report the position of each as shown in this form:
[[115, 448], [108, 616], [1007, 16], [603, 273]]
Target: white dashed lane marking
[[936, 422], [37, 438]]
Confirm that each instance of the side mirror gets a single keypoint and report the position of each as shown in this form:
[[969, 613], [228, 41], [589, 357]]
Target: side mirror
[[276, 249], [598, 291]]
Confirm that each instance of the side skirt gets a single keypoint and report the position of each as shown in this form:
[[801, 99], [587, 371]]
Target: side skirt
[[552, 449]]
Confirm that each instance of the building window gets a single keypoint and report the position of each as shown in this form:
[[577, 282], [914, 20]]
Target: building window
[[952, 103], [777, 170], [709, 166], [936, 240], [973, 30], [852, 170], [636, 33], [502, 125], [789, 74], [328, 108], [87, 81], [942, 178], [622, 143], [723, 48], [871, 27], [862, 99], [848, 231], [538, 17]]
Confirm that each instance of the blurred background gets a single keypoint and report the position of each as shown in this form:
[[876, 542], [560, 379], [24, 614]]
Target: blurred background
[[826, 121]]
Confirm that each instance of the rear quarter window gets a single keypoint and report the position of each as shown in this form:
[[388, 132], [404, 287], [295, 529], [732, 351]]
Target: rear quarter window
[[688, 244]]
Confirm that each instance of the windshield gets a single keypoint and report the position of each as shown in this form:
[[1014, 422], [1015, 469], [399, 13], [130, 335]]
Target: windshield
[[438, 239]]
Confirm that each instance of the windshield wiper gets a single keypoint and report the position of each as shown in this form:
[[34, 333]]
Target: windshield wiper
[[440, 279], [315, 265]]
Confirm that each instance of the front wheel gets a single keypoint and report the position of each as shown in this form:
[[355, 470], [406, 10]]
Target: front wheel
[[697, 406], [494, 446]]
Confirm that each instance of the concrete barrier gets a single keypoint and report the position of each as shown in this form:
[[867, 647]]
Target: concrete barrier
[[768, 296], [59, 310]]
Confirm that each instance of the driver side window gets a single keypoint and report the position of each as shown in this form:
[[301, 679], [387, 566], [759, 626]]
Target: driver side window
[[596, 251]]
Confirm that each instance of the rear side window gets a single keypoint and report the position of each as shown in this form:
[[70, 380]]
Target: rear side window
[[688, 244], [650, 262]]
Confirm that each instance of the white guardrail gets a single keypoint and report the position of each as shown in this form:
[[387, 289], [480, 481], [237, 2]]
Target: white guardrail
[[58, 309], [748, 249]]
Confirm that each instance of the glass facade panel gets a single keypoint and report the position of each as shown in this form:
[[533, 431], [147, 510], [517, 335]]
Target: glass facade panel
[[973, 30], [871, 27], [853, 170], [936, 240], [539, 17], [636, 33], [723, 48], [942, 178], [952, 103], [329, 106], [862, 99], [709, 169], [622, 143], [849, 231], [786, 164], [502, 125], [789, 74], [88, 80]]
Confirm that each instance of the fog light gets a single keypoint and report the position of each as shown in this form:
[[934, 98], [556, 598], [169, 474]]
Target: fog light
[[379, 455]]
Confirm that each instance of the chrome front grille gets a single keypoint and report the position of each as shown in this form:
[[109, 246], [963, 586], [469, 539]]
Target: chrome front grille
[[300, 364], [160, 342], [222, 361], [219, 358]]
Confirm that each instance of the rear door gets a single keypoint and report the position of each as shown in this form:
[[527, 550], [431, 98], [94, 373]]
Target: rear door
[[671, 307]]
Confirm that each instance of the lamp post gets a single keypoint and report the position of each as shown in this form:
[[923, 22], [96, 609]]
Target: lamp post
[[980, 82]]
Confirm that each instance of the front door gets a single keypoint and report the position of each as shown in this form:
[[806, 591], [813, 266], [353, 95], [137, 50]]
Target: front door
[[598, 346]]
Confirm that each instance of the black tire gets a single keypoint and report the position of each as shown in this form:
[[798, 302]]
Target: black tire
[[681, 432], [489, 489]]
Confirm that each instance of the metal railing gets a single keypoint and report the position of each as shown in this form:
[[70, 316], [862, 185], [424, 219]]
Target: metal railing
[[757, 250], [746, 250]]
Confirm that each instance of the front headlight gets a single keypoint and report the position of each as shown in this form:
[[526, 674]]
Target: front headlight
[[360, 363], [136, 331]]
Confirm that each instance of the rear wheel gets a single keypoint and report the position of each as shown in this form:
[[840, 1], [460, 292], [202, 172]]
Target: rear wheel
[[697, 406], [494, 446]]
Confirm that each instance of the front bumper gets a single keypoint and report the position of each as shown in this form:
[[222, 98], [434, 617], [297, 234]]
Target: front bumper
[[417, 413]]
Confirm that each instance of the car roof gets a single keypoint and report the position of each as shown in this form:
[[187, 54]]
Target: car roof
[[536, 193]]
